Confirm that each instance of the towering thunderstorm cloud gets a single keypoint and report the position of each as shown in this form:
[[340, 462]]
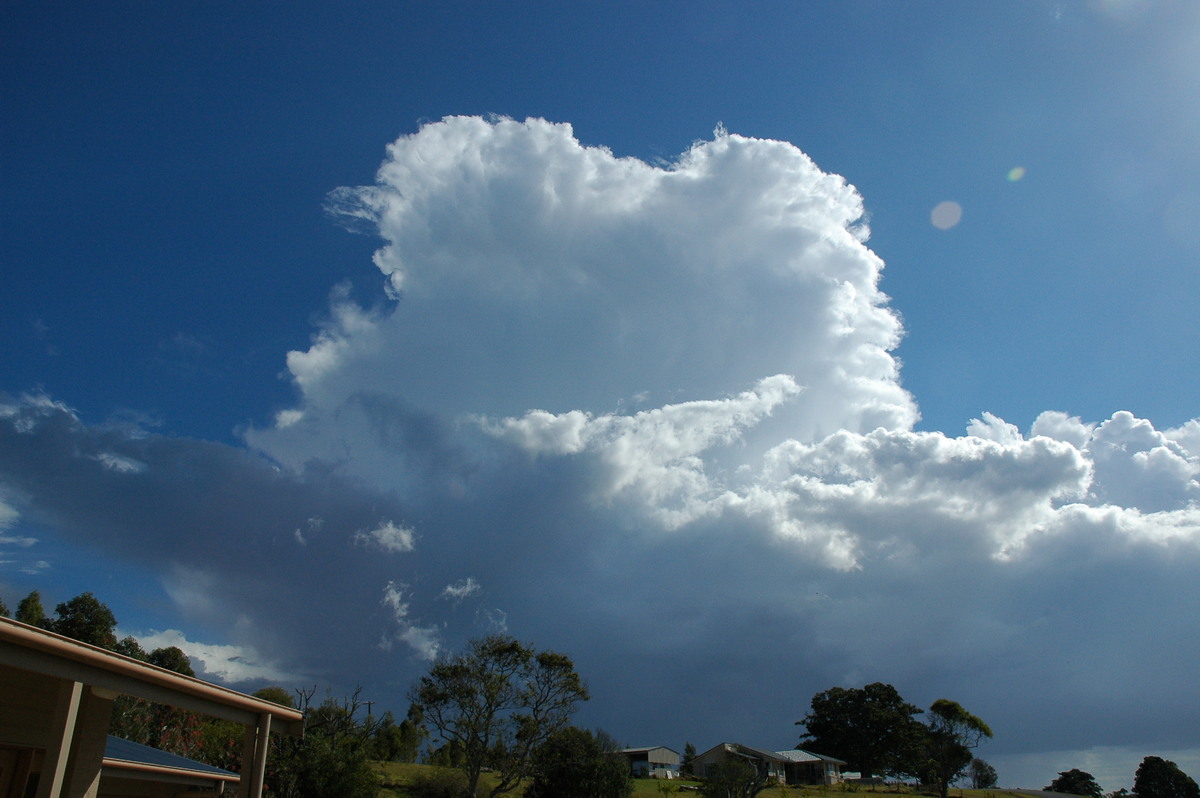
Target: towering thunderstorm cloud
[[652, 416]]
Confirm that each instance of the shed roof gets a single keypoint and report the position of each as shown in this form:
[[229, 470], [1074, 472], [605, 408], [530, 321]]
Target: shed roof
[[800, 755], [122, 753]]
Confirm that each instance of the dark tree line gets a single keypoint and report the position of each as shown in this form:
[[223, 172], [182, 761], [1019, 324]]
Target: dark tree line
[[1155, 778]]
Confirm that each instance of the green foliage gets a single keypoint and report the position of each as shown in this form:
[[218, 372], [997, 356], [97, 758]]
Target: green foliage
[[400, 742], [173, 659], [276, 695], [733, 777], [498, 701], [167, 728], [872, 728], [164, 727], [949, 738], [4, 609], [447, 755], [689, 753], [221, 743], [30, 610], [130, 647], [574, 763], [1075, 782], [1161, 778], [87, 619], [983, 775], [331, 760]]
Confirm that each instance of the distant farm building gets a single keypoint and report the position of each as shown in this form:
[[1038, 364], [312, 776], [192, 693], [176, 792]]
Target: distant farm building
[[794, 767], [805, 767], [657, 762]]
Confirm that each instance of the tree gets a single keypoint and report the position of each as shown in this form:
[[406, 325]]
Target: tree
[[734, 777], [1161, 778], [869, 727], [276, 695], [574, 763], [173, 659], [499, 700], [400, 742], [331, 760], [1075, 782], [168, 728], [689, 753], [951, 734], [983, 775], [87, 619], [130, 647], [30, 610], [3, 610]]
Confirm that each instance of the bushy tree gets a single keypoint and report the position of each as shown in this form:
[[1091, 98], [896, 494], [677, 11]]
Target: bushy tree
[[30, 610], [574, 763], [87, 619], [173, 659], [276, 695], [400, 742], [1161, 778], [130, 647], [951, 734], [734, 777], [3, 609], [1075, 782], [161, 726], [331, 760], [983, 775], [499, 701], [871, 727]]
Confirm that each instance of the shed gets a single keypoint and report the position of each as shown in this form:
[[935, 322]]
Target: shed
[[655, 762], [805, 767], [132, 769]]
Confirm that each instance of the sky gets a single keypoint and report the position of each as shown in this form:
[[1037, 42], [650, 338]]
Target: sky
[[738, 351]]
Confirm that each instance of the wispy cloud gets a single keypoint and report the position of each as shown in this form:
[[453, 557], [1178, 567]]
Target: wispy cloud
[[388, 536]]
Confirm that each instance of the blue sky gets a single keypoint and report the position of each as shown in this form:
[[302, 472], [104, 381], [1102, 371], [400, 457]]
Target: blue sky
[[631, 378]]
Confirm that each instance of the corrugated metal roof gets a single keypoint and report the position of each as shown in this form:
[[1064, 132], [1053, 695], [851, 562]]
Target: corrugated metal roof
[[796, 755], [129, 751], [765, 755], [800, 755]]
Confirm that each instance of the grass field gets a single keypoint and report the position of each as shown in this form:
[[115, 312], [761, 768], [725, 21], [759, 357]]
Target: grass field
[[397, 776]]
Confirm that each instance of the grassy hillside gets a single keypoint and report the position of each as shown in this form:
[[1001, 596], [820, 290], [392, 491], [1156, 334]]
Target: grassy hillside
[[396, 778]]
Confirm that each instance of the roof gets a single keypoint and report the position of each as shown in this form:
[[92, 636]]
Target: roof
[[647, 749], [29, 648], [743, 750], [757, 751], [126, 754], [800, 755]]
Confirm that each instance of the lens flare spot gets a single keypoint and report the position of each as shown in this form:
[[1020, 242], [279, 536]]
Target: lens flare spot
[[946, 215], [1016, 173]]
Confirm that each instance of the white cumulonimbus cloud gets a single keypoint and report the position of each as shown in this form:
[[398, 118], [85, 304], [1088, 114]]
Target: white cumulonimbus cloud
[[659, 409], [215, 661]]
